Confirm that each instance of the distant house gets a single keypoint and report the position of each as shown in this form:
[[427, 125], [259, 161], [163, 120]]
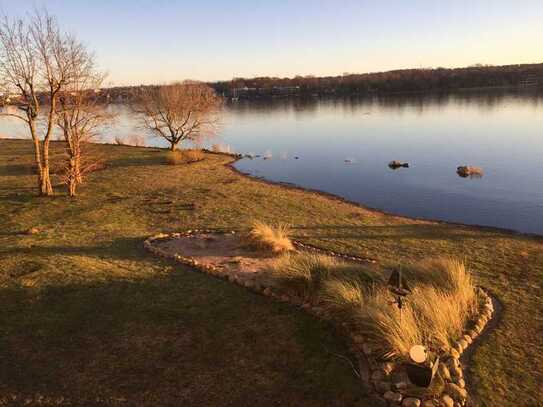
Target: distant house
[[285, 90], [531, 80]]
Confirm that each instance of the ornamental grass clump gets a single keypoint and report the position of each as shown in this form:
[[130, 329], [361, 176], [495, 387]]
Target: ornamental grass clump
[[305, 274], [301, 274], [449, 276], [443, 300], [370, 310], [274, 238]]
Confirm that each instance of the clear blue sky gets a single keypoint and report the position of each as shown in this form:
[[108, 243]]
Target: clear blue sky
[[156, 41]]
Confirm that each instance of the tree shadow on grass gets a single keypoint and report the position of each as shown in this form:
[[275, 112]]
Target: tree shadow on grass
[[117, 249], [154, 157], [176, 339], [438, 231], [16, 170]]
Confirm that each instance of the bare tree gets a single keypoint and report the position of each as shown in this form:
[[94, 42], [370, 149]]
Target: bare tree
[[79, 115], [178, 112], [35, 65]]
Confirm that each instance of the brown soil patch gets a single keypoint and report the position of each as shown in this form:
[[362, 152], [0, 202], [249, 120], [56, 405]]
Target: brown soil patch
[[230, 254]]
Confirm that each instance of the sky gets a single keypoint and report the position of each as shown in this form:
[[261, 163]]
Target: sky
[[159, 41]]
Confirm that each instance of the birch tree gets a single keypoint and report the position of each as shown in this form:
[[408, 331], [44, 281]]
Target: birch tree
[[35, 65]]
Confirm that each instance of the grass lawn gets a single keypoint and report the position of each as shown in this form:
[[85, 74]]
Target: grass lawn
[[87, 316]]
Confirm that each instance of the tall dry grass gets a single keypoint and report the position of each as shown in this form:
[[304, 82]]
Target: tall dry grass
[[178, 157], [304, 274], [301, 274], [268, 237], [448, 275], [442, 302]]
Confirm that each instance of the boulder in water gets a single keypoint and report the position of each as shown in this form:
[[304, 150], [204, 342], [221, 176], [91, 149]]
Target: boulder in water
[[465, 171], [397, 164]]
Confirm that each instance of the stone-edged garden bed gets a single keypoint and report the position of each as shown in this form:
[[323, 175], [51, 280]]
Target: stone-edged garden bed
[[227, 255]]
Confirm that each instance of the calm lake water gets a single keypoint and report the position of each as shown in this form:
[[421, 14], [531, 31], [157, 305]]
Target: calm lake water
[[343, 147]]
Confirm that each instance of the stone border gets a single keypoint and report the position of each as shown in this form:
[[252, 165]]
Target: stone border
[[388, 389], [350, 257]]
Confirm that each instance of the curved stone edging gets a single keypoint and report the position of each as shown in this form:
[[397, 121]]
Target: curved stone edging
[[308, 247], [388, 389]]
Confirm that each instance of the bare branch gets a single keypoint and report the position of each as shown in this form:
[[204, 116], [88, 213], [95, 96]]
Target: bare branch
[[179, 112]]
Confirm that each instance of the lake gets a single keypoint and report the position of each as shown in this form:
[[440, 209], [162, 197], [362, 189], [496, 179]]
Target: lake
[[343, 146]]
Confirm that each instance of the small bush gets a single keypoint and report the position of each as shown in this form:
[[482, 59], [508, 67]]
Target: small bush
[[193, 155], [178, 157], [274, 238], [174, 158]]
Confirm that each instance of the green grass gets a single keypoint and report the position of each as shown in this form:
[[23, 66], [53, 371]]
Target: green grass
[[86, 313]]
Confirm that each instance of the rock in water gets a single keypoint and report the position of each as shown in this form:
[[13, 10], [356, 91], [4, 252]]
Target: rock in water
[[465, 171], [397, 164]]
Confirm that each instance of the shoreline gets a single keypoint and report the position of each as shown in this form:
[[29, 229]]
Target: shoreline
[[289, 185]]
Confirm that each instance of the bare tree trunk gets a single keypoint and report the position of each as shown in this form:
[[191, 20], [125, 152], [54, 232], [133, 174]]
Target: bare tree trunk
[[46, 188], [37, 159], [41, 156], [73, 174], [77, 169], [173, 146]]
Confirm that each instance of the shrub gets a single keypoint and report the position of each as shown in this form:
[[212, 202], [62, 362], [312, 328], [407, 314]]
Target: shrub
[[274, 238], [193, 155], [184, 156], [174, 157]]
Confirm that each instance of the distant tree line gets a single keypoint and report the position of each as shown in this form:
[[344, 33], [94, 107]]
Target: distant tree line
[[405, 80], [398, 81]]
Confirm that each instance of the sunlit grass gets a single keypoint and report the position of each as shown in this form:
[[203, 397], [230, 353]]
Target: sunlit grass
[[271, 237]]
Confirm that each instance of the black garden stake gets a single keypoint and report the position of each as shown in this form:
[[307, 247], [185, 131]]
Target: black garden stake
[[398, 286]]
